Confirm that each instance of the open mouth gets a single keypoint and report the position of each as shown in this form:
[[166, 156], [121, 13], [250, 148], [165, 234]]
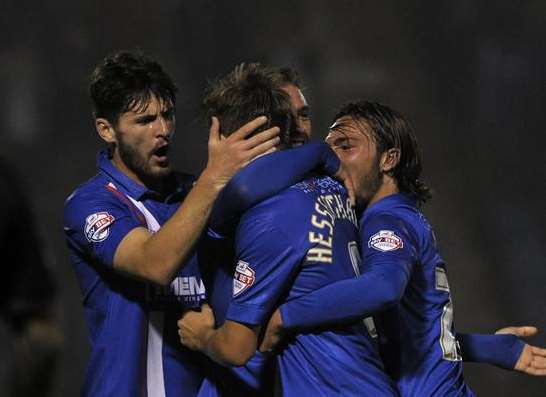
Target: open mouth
[[161, 153]]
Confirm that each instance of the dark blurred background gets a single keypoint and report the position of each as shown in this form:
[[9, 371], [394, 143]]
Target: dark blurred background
[[469, 74]]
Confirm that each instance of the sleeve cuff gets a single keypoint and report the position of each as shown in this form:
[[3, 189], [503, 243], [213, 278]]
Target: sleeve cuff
[[247, 314]]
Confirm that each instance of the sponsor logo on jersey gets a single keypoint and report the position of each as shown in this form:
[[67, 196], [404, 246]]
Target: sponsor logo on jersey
[[243, 279], [188, 290], [385, 241], [97, 226]]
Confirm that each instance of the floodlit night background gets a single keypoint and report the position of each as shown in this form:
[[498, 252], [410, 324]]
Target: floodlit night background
[[470, 75]]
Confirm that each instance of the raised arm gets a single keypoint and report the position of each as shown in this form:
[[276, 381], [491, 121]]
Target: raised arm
[[267, 176], [157, 257]]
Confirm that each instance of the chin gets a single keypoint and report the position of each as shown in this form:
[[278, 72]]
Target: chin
[[159, 172]]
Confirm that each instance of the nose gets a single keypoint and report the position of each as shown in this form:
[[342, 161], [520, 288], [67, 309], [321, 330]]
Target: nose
[[165, 128]]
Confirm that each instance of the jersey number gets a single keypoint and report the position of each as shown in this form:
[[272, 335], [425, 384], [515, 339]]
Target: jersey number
[[450, 345]]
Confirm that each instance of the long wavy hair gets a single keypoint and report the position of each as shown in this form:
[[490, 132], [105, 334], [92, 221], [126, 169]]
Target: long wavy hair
[[389, 129]]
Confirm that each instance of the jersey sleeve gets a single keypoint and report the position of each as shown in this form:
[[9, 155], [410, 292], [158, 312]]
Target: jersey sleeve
[[387, 238], [502, 350], [347, 300], [267, 176], [388, 251], [95, 224], [267, 261]]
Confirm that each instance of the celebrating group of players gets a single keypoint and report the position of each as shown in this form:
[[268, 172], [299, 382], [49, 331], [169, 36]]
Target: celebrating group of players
[[261, 277]]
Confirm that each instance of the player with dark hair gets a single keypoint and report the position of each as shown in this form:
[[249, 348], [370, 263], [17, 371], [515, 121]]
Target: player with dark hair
[[389, 131], [404, 283], [132, 227], [288, 245], [403, 271]]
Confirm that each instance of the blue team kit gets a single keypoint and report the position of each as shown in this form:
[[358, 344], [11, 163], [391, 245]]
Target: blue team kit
[[285, 247], [135, 348], [297, 248]]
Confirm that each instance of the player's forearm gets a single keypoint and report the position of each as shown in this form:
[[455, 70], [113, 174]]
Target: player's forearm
[[229, 349], [266, 177], [500, 350], [347, 300], [159, 256]]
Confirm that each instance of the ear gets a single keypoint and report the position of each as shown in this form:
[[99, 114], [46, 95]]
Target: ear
[[105, 130], [390, 159]]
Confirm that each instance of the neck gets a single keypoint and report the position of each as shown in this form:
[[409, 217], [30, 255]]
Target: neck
[[387, 188]]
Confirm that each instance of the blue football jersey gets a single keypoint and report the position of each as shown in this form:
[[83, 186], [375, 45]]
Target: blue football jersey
[[421, 352], [285, 247], [135, 350], [216, 264]]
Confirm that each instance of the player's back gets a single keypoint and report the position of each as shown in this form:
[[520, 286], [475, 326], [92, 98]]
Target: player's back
[[421, 352], [310, 232]]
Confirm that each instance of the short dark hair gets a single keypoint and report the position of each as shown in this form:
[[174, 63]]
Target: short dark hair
[[248, 91], [287, 76], [389, 129], [126, 81]]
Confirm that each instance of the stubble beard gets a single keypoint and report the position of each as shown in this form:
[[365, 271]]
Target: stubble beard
[[371, 182], [138, 164]]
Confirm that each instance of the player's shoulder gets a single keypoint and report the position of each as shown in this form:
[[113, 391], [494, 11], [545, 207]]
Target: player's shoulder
[[93, 187], [95, 192], [288, 211], [397, 213], [296, 199], [316, 186], [397, 206]]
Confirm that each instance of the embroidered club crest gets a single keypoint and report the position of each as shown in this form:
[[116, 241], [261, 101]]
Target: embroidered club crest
[[97, 226], [243, 279], [385, 241]]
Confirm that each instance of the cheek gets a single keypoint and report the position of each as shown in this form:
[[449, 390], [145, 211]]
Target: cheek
[[136, 140], [306, 127], [354, 166], [348, 162], [171, 126]]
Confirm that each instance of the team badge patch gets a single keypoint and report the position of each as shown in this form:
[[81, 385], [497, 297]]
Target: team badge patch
[[385, 241], [243, 279], [97, 226]]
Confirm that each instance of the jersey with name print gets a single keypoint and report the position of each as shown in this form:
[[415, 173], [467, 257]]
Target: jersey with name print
[[287, 246]]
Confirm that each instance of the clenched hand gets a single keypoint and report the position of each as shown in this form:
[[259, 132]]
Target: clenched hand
[[195, 328]]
